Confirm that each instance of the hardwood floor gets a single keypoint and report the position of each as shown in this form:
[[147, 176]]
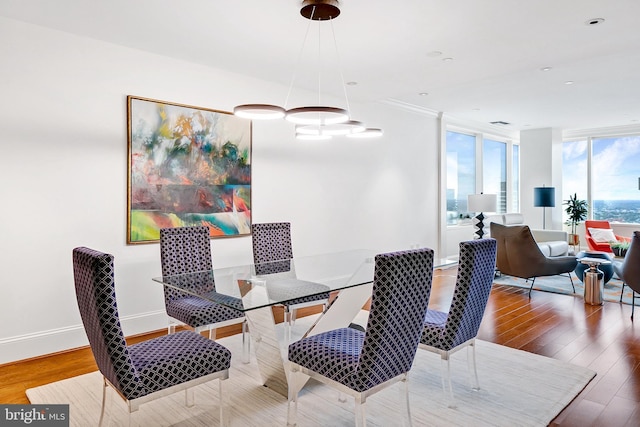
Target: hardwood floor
[[602, 338]]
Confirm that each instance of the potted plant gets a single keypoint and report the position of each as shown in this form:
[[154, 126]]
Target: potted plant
[[619, 248], [576, 213]]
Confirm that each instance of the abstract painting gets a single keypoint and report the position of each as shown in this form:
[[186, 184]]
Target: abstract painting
[[187, 166]]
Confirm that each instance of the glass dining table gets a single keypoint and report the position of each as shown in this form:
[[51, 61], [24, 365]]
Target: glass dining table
[[255, 288]]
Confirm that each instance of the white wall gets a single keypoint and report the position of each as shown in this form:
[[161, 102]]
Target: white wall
[[541, 165], [63, 168]]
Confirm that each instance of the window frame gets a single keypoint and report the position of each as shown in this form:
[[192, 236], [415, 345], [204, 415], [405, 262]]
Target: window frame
[[512, 189], [589, 137]]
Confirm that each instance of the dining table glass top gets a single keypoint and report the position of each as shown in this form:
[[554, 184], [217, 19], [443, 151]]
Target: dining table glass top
[[253, 286]]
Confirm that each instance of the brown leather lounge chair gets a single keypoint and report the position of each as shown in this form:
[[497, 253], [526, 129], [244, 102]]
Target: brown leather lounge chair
[[518, 255], [629, 270]]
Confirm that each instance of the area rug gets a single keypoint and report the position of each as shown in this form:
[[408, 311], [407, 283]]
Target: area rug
[[517, 389], [562, 285]]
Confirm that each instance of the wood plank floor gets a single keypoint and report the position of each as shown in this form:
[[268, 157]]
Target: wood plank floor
[[602, 338]]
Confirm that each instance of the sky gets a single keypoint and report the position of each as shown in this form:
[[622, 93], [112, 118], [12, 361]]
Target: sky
[[616, 168]]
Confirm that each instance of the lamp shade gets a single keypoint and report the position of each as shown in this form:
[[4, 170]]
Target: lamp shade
[[482, 202], [544, 197]]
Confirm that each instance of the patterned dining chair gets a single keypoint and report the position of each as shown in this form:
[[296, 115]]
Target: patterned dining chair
[[148, 370], [272, 242], [362, 363], [446, 333], [188, 250]]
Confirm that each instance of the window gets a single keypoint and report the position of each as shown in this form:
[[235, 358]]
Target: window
[[574, 171], [614, 187], [475, 164], [615, 174], [494, 171], [461, 174]]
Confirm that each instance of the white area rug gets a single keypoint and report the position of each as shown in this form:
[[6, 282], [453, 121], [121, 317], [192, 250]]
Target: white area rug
[[517, 389]]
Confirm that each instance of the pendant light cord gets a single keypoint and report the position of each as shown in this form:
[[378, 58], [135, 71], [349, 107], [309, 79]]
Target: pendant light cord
[[344, 86], [297, 67]]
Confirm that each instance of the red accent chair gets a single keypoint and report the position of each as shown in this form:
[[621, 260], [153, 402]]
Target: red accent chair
[[600, 246]]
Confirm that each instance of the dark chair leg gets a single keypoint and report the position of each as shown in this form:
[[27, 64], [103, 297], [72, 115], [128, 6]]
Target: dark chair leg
[[532, 282], [633, 304], [571, 278], [622, 292]]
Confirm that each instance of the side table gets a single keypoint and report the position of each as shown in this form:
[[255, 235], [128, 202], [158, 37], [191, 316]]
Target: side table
[[607, 268], [593, 280]]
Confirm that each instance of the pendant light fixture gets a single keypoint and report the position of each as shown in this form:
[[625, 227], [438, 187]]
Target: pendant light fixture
[[367, 133], [317, 121]]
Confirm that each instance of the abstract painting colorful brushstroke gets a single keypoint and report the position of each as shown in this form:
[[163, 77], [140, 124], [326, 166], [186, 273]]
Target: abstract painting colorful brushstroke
[[187, 166]]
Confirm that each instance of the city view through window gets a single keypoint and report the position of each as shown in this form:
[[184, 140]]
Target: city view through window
[[462, 175], [615, 176]]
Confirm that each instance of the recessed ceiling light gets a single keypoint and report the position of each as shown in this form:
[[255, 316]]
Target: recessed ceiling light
[[447, 59], [475, 109], [545, 69], [568, 82], [434, 53], [352, 83], [594, 21], [423, 93]]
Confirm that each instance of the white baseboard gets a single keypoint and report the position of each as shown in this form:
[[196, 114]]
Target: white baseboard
[[21, 347]]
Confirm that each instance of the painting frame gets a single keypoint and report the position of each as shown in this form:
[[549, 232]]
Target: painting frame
[[186, 166]]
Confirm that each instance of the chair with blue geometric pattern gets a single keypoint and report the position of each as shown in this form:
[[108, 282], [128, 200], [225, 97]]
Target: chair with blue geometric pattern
[[188, 250], [272, 242], [150, 369], [362, 363], [446, 333]]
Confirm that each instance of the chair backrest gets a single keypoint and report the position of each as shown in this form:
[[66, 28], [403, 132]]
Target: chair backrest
[[184, 250], [95, 291], [476, 269], [401, 291], [592, 223], [271, 242], [631, 265], [591, 242], [517, 251]]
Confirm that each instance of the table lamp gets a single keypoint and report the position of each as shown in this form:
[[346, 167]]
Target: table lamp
[[544, 197], [481, 203]]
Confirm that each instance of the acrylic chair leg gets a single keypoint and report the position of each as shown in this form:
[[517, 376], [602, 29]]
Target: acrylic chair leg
[[188, 398], [223, 401], [287, 324], [246, 342], [212, 334], [446, 384], [292, 401], [471, 359], [404, 395], [360, 413], [104, 401], [171, 329], [132, 419]]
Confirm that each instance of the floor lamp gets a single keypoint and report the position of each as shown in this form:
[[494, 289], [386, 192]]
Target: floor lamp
[[481, 203], [544, 197]]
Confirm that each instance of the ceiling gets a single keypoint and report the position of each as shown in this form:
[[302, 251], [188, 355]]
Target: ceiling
[[496, 50]]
